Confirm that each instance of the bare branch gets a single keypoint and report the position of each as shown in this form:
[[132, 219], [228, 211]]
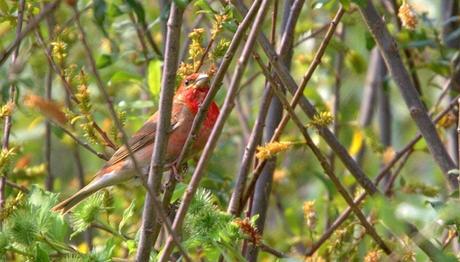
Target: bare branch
[[34, 22], [162, 132], [325, 164], [402, 79], [12, 98]]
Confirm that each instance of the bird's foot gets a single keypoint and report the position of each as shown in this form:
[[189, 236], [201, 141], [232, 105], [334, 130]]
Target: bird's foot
[[177, 171]]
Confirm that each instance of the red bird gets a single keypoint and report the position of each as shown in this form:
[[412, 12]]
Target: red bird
[[119, 168]]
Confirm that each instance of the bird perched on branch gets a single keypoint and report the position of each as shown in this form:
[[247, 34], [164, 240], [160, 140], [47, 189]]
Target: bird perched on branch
[[120, 168]]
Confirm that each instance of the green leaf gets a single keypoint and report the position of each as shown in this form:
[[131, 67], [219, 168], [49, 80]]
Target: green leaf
[[99, 12], [103, 60], [204, 5], [4, 7], [346, 4], [182, 4], [138, 9], [41, 255], [370, 42], [127, 214], [355, 61], [361, 3], [154, 77], [123, 77], [178, 192]]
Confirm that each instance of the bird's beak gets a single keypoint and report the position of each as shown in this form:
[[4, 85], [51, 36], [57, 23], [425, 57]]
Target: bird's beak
[[202, 80]]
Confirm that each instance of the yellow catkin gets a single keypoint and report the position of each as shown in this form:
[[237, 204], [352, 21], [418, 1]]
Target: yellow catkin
[[309, 213], [408, 16], [322, 119], [373, 256], [271, 149]]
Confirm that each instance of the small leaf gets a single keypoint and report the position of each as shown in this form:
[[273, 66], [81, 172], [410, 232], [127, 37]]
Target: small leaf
[[204, 5], [138, 9], [182, 4], [127, 214], [123, 76], [154, 77], [103, 60], [99, 9], [178, 192], [41, 255], [355, 61], [4, 7]]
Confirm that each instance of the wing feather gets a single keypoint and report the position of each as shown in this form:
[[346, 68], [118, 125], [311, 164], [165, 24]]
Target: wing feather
[[144, 136]]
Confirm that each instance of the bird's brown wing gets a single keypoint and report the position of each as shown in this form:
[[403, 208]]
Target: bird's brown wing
[[144, 136]]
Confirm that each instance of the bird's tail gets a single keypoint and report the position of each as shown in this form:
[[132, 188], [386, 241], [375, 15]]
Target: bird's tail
[[67, 205], [101, 180]]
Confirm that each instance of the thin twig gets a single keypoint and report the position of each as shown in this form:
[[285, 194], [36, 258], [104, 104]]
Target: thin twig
[[34, 22], [218, 126], [68, 87], [84, 144], [12, 99], [49, 180], [312, 34]]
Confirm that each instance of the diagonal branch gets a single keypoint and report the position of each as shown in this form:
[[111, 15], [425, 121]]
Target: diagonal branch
[[383, 172], [256, 133], [34, 22], [390, 53], [298, 94], [323, 161]]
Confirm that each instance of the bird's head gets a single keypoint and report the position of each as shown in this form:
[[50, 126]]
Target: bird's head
[[197, 81], [193, 89]]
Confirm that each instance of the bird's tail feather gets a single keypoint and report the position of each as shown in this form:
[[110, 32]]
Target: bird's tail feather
[[101, 181]]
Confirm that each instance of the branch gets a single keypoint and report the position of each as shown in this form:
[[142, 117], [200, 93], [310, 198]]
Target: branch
[[11, 98], [390, 53], [324, 163], [297, 96], [218, 126], [35, 21], [49, 180], [383, 172], [68, 87], [162, 132], [235, 201]]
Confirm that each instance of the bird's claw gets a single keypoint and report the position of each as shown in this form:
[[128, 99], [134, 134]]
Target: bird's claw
[[177, 171]]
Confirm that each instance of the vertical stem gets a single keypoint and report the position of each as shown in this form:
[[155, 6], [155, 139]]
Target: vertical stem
[[373, 83], [12, 99], [49, 180], [168, 85], [337, 87]]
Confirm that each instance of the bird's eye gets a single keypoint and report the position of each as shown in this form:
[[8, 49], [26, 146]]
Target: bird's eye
[[187, 82]]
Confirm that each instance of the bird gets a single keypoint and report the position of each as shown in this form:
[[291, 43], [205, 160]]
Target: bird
[[119, 168]]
